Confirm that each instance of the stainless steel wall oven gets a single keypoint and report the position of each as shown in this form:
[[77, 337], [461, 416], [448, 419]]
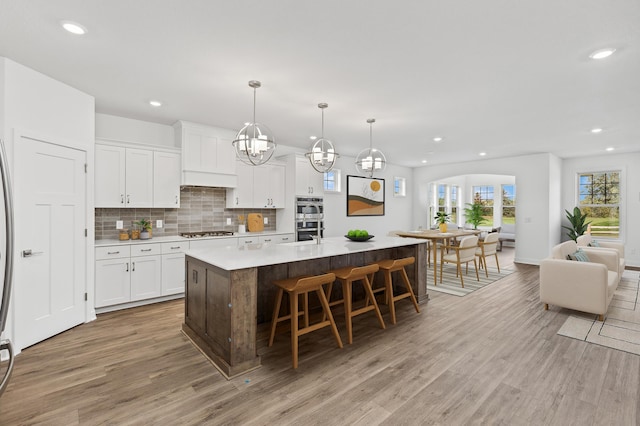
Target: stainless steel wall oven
[[309, 218]]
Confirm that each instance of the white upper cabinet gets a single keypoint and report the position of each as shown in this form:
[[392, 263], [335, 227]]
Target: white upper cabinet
[[269, 186], [110, 176], [208, 157], [261, 187], [136, 177], [166, 179], [242, 195], [139, 178], [308, 180], [123, 177]]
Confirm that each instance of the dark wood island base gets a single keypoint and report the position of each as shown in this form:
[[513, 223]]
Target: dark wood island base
[[224, 307]]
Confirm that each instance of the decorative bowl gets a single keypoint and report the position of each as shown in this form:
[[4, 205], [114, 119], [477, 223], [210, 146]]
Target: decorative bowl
[[360, 239]]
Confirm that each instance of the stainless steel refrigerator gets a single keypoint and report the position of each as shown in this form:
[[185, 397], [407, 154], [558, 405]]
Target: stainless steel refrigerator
[[6, 255]]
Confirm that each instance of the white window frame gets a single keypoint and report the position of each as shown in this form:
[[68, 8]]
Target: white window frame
[[337, 180], [401, 184]]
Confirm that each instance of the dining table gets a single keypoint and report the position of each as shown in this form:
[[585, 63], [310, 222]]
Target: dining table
[[435, 236]]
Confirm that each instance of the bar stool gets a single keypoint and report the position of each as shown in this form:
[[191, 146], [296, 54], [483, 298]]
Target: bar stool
[[303, 286], [387, 267], [347, 276]]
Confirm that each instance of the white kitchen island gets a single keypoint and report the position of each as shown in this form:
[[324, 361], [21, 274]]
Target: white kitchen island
[[229, 289]]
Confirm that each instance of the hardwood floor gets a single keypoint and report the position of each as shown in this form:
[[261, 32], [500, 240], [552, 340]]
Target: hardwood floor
[[492, 357]]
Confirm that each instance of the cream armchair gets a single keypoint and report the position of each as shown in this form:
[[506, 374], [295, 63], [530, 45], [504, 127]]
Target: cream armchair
[[587, 241], [583, 286]]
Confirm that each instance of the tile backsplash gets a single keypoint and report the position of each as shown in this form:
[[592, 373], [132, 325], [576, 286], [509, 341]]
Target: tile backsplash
[[201, 209]]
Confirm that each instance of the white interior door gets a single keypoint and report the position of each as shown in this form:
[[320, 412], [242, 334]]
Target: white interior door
[[50, 285]]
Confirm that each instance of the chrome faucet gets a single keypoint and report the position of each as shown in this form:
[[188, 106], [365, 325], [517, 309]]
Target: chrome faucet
[[318, 220]]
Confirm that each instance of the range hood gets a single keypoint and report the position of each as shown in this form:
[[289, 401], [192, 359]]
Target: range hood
[[208, 156]]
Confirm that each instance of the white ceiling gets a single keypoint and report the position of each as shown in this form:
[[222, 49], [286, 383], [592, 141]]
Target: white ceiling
[[499, 76]]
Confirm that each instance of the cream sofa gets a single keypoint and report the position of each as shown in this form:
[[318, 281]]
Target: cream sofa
[[583, 286], [586, 240]]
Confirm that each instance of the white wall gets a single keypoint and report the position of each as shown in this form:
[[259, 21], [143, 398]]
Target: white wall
[[111, 127], [398, 210], [628, 164], [40, 106], [533, 202]]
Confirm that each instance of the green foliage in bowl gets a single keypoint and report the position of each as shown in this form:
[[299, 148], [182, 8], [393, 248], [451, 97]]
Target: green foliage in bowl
[[358, 235]]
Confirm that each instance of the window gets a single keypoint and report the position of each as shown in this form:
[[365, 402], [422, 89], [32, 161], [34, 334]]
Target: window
[[332, 181], [599, 199], [508, 204], [399, 187], [442, 194], [454, 204], [484, 196]]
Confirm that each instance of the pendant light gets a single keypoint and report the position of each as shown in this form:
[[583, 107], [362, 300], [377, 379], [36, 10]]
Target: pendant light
[[323, 155], [254, 143], [370, 160]]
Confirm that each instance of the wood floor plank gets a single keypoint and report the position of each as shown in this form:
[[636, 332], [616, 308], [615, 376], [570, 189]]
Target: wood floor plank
[[491, 357]]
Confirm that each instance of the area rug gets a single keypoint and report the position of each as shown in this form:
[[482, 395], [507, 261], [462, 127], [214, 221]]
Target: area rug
[[451, 283], [621, 327]]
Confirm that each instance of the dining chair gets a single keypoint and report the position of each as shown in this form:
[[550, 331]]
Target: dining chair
[[486, 248], [465, 252]]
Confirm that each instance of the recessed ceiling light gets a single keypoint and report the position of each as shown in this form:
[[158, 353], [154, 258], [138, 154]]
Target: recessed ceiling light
[[602, 53], [155, 103], [437, 139], [313, 138], [424, 161], [610, 148], [596, 130], [482, 154], [73, 27]]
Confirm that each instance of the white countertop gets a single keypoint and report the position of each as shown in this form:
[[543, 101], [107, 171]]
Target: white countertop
[[166, 239], [254, 255]]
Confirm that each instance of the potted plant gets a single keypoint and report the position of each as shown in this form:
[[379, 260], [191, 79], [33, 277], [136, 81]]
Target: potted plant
[[578, 224], [473, 214], [145, 228], [442, 218]]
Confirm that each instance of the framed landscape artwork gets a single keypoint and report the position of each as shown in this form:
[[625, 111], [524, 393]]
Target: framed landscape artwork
[[365, 196]]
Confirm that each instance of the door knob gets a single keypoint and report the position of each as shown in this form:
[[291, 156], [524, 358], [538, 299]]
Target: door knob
[[29, 253]]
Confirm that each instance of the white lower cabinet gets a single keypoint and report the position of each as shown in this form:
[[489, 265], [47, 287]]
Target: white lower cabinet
[[146, 281], [173, 267], [130, 273], [113, 284], [277, 238]]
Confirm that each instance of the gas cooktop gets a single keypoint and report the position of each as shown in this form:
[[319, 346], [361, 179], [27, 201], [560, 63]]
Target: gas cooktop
[[205, 234]]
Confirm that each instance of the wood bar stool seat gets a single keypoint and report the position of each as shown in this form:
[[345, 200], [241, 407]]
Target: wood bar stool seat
[[347, 276], [396, 265], [303, 286]]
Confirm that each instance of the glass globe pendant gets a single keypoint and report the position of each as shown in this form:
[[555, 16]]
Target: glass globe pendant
[[323, 155], [254, 143], [370, 160]]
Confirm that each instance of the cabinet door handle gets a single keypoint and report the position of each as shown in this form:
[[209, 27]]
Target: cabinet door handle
[[285, 238], [127, 270], [175, 248], [113, 252], [133, 266], [237, 201], [195, 276], [176, 199], [128, 200], [121, 198], [145, 249]]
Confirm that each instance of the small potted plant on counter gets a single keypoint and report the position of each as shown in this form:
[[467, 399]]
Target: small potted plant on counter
[[145, 228], [442, 218]]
